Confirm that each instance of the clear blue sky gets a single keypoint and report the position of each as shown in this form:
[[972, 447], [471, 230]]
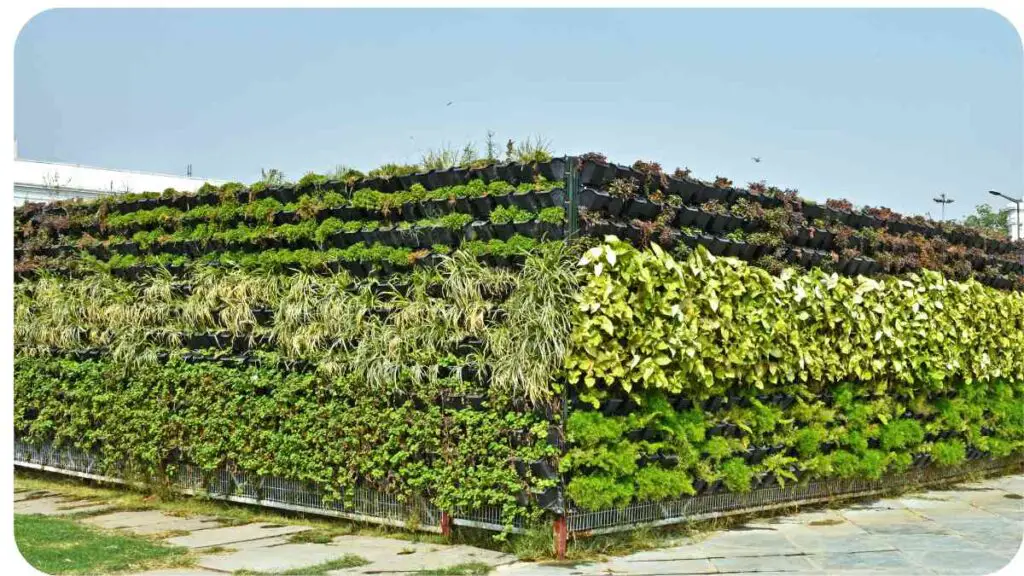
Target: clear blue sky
[[885, 107]]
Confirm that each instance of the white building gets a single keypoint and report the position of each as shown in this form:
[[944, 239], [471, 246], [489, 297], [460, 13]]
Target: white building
[[36, 181], [1015, 230]]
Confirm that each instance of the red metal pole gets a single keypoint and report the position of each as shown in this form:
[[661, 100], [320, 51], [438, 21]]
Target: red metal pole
[[446, 524], [561, 536]]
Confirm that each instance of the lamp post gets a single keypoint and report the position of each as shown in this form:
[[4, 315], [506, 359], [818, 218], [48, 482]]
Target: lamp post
[[943, 199], [1016, 202]]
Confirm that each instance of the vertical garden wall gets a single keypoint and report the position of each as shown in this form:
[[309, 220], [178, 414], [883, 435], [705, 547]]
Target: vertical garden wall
[[502, 344]]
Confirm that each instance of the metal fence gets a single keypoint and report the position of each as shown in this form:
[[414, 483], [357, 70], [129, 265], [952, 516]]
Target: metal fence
[[374, 506], [696, 508], [361, 503]]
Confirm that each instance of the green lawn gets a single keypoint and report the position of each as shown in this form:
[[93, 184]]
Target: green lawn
[[61, 546]]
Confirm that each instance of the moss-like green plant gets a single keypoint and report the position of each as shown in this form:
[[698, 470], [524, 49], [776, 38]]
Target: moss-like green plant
[[718, 448], [901, 434], [949, 452], [807, 440], [597, 492], [654, 483], [736, 475]]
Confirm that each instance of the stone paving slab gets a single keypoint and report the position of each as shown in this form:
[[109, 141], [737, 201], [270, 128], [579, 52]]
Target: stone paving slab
[[58, 506], [180, 572], [695, 566], [261, 543], [149, 522], [127, 519], [274, 559], [174, 525], [232, 534], [795, 563], [956, 561]]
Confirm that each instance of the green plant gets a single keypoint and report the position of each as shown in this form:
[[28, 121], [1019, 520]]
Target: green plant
[[949, 453], [598, 492], [655, 483], [736, 475], [507, 214]]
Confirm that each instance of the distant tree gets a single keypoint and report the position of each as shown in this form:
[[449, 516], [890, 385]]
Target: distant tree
[[987, 217]]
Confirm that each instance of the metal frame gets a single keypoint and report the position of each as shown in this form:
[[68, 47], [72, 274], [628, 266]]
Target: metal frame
[[696, 508], [363, 504]]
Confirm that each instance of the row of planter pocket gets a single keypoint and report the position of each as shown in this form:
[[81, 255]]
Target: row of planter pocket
[[690, 217], [376, 269], [413, 237], [690, 191], [855, 220], [513, 173], [468, 373], [479, 207], [806, 257], [694, 192]]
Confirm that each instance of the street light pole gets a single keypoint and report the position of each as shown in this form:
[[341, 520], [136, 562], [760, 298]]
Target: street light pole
[[943, 199], [1016, 202]]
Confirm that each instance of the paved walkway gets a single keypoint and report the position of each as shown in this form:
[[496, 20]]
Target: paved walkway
[[972, 529], [258, 546]]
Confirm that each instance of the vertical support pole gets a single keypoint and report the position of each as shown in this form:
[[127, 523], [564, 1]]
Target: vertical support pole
[[561, 536], [572, 228], [572, 193], [446, 524]]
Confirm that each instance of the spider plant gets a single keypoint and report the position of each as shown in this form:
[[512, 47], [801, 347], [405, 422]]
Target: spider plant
[[529, 349]]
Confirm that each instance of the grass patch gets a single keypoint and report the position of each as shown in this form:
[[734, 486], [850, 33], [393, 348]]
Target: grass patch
[[825, 522], [1013, 496], [468, 569], [316, 536], [62, 546], [346, 561]]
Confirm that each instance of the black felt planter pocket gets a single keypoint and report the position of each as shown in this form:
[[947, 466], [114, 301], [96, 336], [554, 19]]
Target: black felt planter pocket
[[549, 198], [501, 200], [596, 174], [719, 246], [527, 201], [503, 231], [702, 220], [354, 268], [594, 200], [687, 190], [611, 406], [686, 216], [616, 206], [813, 212], [480, 207], [634, 234], [544, 470], [487, 173], [528, 228], [718, 223], [461, 205], [480, 230], [643, 209], [550, 231], [551, 499], [553, 169]]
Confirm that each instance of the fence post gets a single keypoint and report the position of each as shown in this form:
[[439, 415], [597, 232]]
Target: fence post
[[572, 228], [561, 536], [446, 524]]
